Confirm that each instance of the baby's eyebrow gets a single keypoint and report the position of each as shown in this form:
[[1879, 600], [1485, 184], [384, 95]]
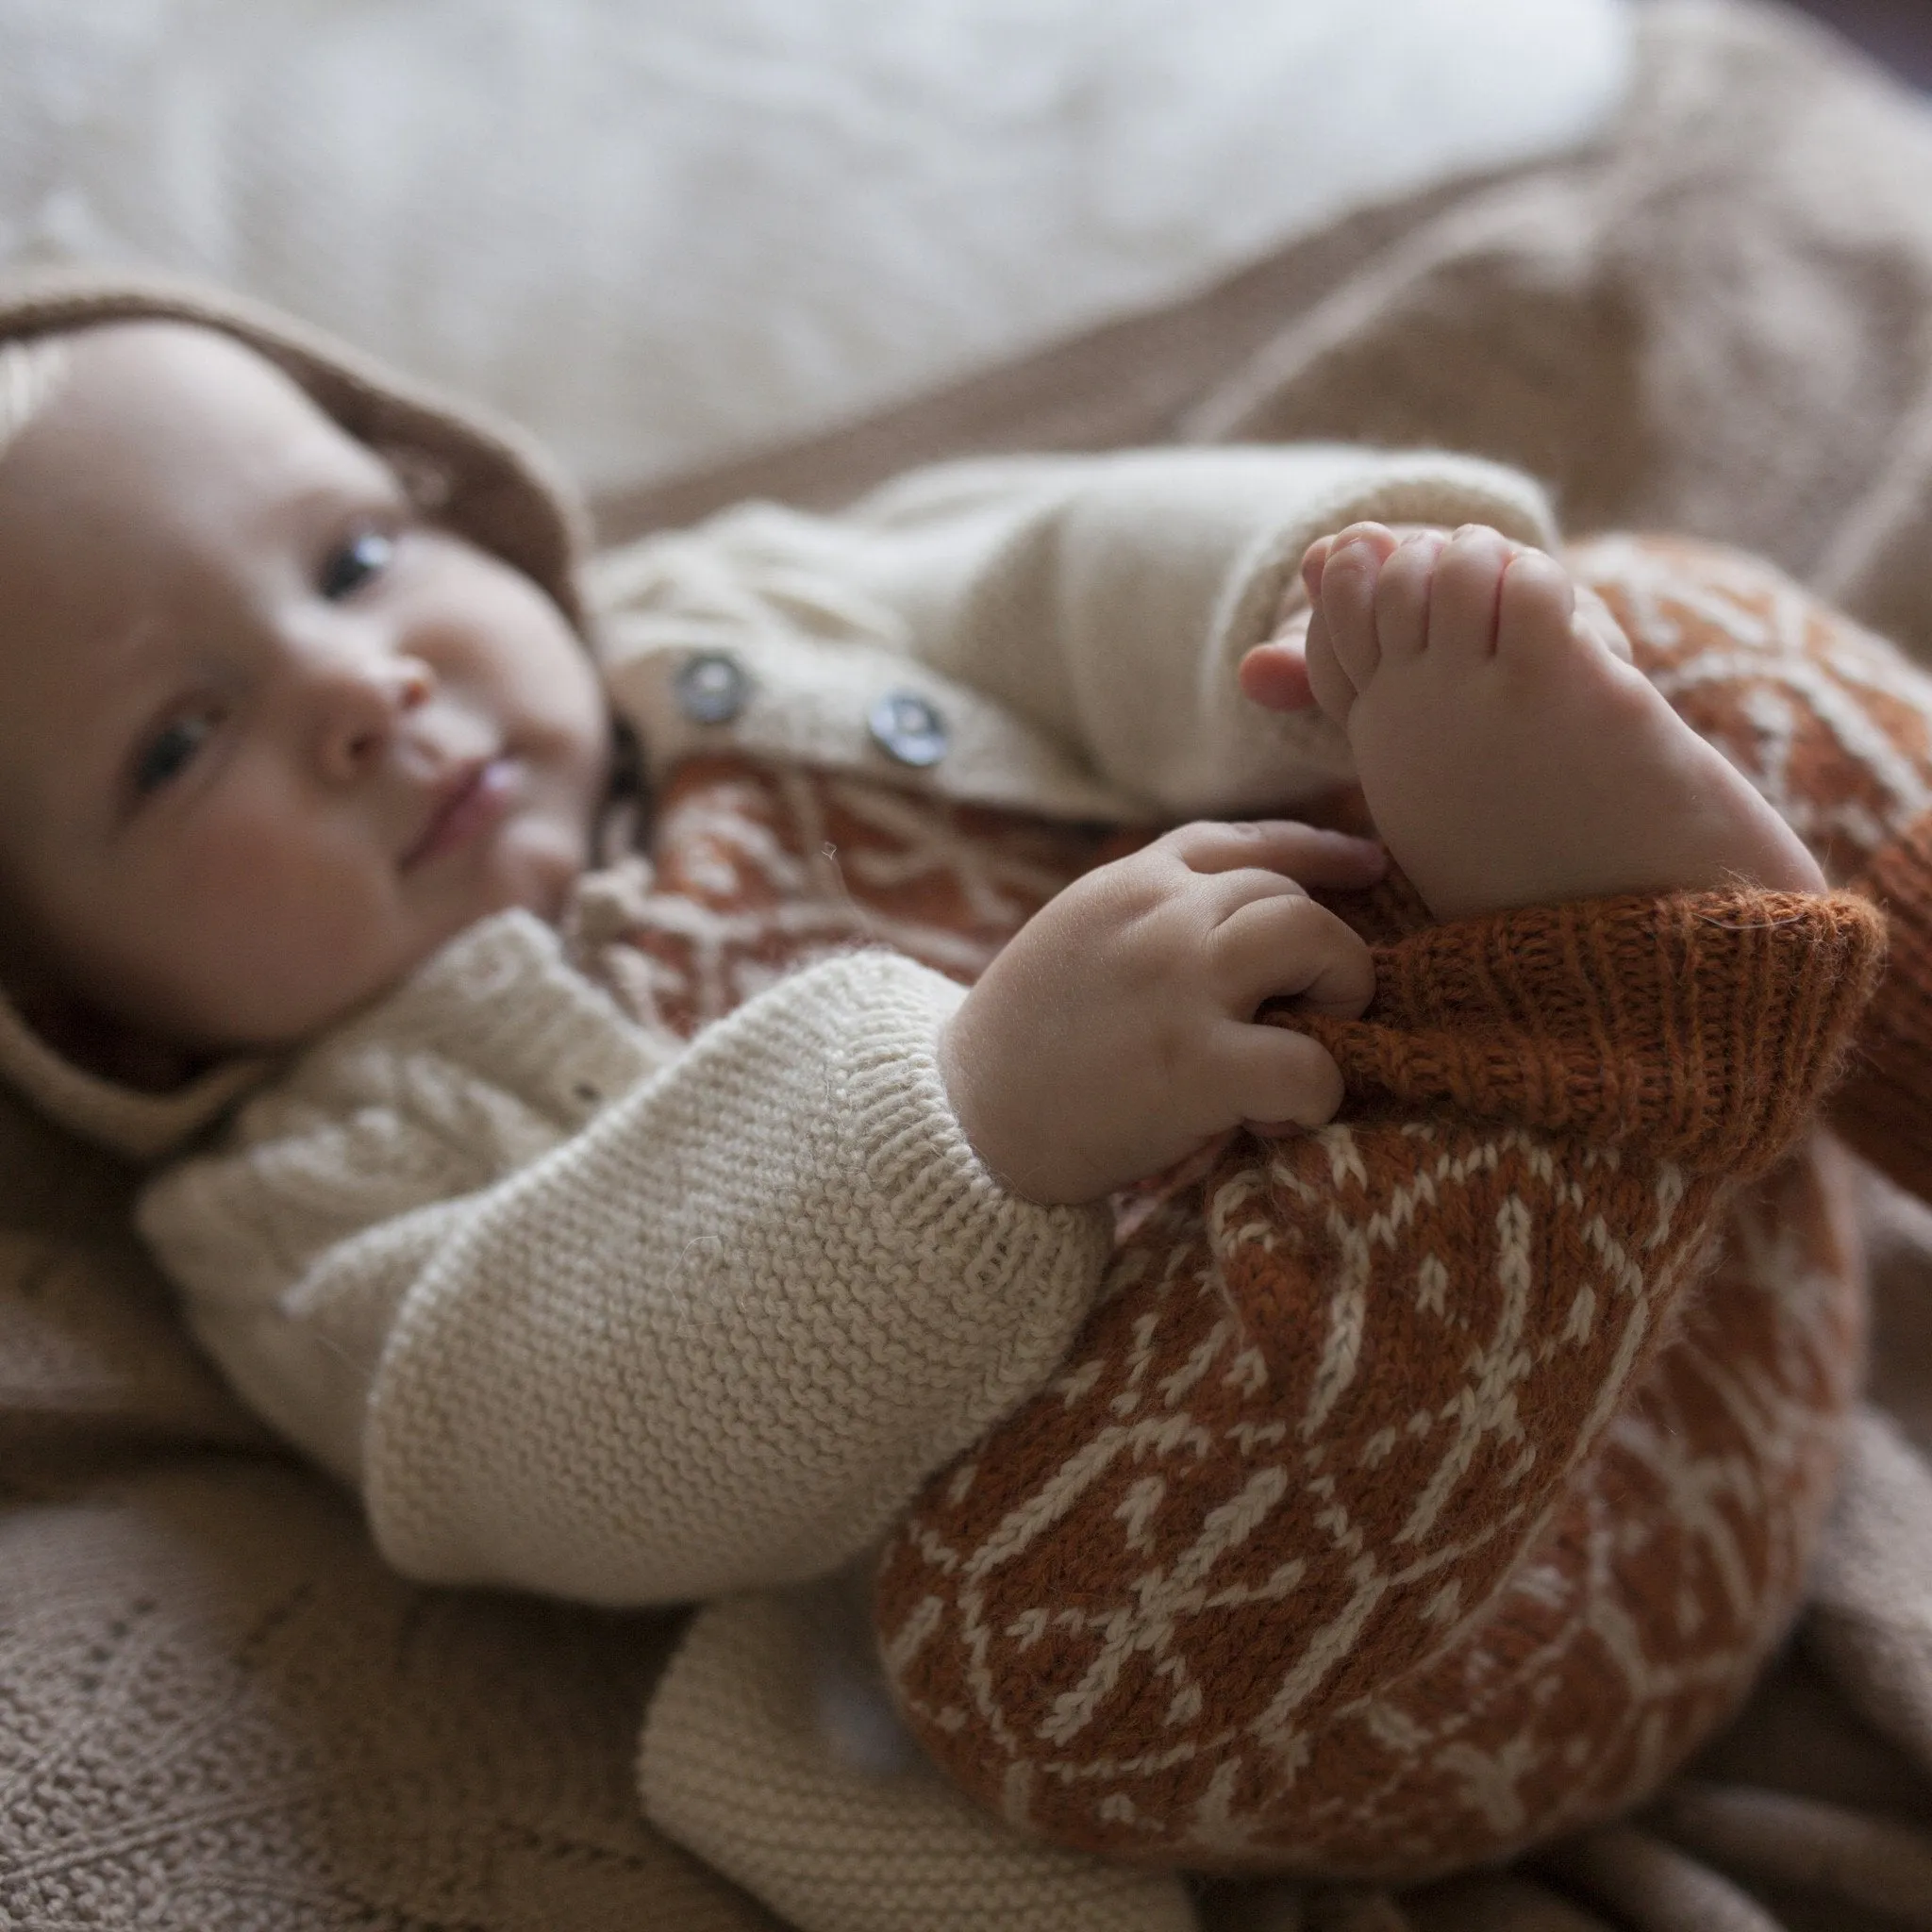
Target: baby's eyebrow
[[145, 638], [339, 495]]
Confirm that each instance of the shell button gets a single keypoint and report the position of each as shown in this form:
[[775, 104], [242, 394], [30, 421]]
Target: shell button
[[712, 687], [908, 728]]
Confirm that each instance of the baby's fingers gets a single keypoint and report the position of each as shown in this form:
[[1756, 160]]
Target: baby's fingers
[[1277, 1082], [1288, 948], [1309, 855]]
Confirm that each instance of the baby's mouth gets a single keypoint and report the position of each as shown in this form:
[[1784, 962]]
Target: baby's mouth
[[474, 798]]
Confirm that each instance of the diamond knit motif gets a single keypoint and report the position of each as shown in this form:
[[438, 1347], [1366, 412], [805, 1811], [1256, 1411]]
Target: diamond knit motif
[[1432, 1484], [1330, 1553]]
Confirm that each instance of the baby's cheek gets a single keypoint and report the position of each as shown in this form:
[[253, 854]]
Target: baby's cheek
[[279, 934]]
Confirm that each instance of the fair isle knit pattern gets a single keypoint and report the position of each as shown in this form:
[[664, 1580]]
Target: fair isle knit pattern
[[1376, 1644], [1416, 1496], [1834, 729], [1529, 1547]]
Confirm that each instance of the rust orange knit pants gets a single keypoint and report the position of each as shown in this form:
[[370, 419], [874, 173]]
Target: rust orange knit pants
[[1431, 1485]]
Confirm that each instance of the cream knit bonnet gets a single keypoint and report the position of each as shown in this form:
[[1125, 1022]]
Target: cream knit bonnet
[[489, 482]]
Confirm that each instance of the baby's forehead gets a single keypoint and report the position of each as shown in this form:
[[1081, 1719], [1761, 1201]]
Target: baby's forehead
[[208, 379], [138, 361], [135, 453], [120, 377]]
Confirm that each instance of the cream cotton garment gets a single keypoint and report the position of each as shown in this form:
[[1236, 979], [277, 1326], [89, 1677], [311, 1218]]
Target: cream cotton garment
[[1076, 621], [624, 1340], [582, 1309]]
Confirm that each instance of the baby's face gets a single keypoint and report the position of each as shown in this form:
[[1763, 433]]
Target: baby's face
[[267, 737]]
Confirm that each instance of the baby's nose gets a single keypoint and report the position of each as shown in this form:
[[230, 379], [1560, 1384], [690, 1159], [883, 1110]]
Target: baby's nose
[[363, 697]]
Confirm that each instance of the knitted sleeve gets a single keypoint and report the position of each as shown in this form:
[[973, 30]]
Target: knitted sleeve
[[624, 1335], [1834, 725], [1883, 1108], [1174, 1607], [1068, 617]]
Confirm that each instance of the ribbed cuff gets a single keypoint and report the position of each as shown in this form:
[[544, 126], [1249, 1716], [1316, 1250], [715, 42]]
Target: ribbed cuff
[[1705, 1027], [1885, 1107]]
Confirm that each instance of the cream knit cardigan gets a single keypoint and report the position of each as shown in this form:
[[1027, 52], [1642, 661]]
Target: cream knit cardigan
[[583, 1310]]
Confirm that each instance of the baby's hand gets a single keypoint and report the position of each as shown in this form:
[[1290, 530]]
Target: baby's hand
[[1116, 1032]]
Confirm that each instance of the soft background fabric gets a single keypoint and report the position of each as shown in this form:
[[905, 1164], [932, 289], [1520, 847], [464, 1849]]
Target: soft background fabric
[[658, 231]]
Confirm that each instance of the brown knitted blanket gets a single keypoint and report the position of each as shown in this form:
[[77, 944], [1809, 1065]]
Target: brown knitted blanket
[[219, 1711]]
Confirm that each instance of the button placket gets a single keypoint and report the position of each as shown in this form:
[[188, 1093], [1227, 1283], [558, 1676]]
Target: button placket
[[711, 688], [908, 728]]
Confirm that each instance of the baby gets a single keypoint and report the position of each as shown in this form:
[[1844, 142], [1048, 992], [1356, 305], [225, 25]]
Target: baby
[[271, 738], [297, 779]]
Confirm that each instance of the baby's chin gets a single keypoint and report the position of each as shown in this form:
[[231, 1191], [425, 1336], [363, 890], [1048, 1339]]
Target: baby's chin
[[535, 868], [546, 895], [158, 1051]]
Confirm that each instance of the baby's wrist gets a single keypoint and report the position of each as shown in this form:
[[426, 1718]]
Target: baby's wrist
[[962, 1073]]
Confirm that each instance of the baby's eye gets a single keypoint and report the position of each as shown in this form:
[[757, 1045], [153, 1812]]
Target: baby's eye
[[351, 565], [170, 751]]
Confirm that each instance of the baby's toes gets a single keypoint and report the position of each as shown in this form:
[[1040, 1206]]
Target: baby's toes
[[1380, 539], [1402, 593], [1596, 624], [1537, 604], [1313, 557], [1347, 603], [1466, 595], [1333, 688]]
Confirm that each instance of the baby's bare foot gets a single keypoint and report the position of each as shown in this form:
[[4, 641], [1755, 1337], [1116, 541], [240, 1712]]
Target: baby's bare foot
[[1508, 754]]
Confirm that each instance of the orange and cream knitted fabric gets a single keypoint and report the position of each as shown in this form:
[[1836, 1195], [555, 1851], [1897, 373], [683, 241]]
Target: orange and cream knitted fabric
[[1401, 1507], [1552, 1509], [1835, 729], [1308, 1559]]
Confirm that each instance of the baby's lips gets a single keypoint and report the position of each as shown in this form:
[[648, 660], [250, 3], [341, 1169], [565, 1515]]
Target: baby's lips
[[472, 795]]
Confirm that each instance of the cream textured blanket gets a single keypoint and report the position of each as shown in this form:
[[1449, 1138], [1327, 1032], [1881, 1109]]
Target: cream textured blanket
[[221, 1711]]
